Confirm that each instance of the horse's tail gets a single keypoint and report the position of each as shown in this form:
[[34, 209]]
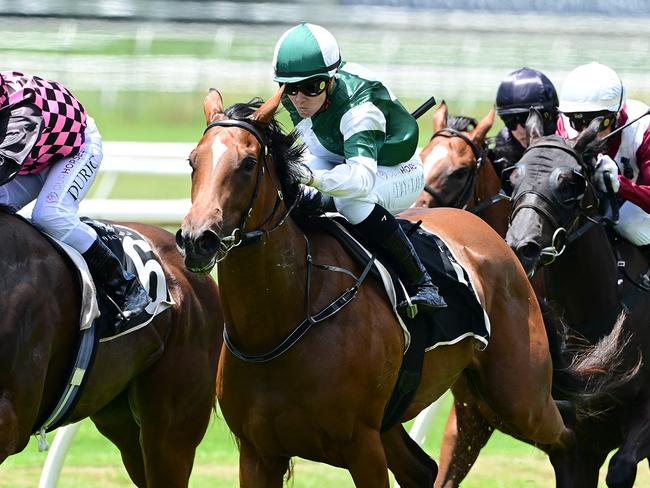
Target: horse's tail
[[590, 376]]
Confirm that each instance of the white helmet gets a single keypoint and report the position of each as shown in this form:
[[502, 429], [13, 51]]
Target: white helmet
[[592, 87]]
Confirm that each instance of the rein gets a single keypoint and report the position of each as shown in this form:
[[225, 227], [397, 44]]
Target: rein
[[470, 183], [239, 237]]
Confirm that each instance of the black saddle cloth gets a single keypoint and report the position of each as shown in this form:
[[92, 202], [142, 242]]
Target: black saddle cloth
[[130, 248]]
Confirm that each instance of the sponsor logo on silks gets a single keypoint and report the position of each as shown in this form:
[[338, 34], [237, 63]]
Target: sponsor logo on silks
[[82, 178]]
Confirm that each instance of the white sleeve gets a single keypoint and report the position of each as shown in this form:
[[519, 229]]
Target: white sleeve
[[353, 179]]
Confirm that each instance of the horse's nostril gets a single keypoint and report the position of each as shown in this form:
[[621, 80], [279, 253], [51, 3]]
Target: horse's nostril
[[529, 250], [207, 243]]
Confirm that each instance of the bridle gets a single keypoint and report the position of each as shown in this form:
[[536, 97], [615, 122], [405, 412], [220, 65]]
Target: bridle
[[565, 232], [470, 183], [239, 237]]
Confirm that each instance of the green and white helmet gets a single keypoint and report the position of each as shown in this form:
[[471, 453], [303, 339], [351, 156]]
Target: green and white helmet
[[305, 51]]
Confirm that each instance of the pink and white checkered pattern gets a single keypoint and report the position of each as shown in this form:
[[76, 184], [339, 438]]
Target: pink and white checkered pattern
[[64, 118]]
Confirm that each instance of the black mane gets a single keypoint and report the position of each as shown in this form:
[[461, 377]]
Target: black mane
[[461, 123], [286, 151]]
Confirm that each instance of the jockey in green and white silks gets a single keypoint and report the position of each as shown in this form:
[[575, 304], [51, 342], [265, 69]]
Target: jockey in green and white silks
[[371, 158], [363, 146]]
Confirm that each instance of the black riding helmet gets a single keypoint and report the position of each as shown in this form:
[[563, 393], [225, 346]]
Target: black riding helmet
[[526, 88]]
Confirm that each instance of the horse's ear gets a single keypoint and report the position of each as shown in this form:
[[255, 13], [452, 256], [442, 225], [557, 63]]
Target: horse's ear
[[483, 127], [212, 106], [440, 117], [266, 112], [534, 126], [587, 135]]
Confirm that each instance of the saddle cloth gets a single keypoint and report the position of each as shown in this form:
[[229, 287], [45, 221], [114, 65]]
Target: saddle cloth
[[137, 257]]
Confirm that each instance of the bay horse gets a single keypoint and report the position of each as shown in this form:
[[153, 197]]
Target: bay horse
[[458, 172], [319, 392], [150, 392], [595, 279]]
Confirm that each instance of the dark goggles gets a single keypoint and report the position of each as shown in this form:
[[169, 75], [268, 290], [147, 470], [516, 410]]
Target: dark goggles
[[311, 88], [580, 121], [514, 120]]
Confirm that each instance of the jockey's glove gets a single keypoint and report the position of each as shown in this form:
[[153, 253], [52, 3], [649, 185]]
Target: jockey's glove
[[606, 169], [305, 174]]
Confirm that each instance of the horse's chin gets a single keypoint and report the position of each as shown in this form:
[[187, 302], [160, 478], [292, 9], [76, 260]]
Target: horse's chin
[[530, 265], [199, 264]]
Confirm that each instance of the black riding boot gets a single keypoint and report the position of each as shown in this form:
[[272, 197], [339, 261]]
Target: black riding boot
[[392, 246], [122, 287]]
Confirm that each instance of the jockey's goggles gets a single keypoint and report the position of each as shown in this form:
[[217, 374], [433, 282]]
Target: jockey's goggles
[[310, 88], [512, 121], [580, 121]]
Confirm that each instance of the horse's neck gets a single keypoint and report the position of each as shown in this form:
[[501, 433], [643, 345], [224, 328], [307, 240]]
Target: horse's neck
[[583, 280], [488, 185], [263, 288]]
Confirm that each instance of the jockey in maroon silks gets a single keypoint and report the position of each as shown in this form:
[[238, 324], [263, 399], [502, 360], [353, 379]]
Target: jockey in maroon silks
[[593, 90]]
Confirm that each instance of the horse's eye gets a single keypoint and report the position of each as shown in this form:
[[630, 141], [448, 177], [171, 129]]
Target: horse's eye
[[460, 173], [248, 163], [567, 186]]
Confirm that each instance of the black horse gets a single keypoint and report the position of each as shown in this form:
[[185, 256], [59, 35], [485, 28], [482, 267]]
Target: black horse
[[596, 280]]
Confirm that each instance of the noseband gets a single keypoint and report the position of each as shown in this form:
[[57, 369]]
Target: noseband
[[563, 234], [470, 183], [239, 237]]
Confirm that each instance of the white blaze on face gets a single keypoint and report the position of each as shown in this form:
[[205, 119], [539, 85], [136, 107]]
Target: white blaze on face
[[437, 153], [218, 150]]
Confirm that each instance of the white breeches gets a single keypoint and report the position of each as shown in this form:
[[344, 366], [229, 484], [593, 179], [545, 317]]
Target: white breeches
[[58, 189], [634, 224], [396, 189]]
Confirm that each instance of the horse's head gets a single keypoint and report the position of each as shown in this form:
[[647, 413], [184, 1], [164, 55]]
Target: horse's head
[[239, 171], [452, 159], [551, 190]]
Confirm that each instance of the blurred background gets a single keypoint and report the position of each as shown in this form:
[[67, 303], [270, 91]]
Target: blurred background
[[141, 67]]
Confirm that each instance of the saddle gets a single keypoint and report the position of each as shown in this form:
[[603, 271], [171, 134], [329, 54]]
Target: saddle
[[97, 315], [137, 257], [463, 317]]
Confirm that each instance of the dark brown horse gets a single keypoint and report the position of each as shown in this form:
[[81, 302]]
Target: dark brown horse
[[458, 173], [557, 223], [323, 398], [151, 391]]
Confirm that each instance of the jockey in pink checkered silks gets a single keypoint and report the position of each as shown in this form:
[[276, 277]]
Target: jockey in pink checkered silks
[[50, 150]]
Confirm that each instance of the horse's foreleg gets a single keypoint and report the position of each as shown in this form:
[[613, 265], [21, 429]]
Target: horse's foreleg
[[174, 414], [366, 460], [256, 471], [116, 423], [411, 466], [10, 437], [466, 433], [621, 472]]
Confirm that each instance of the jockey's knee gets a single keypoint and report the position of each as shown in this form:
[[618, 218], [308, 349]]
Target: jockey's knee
[[634, 225], [353, 210], [64, 226]]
